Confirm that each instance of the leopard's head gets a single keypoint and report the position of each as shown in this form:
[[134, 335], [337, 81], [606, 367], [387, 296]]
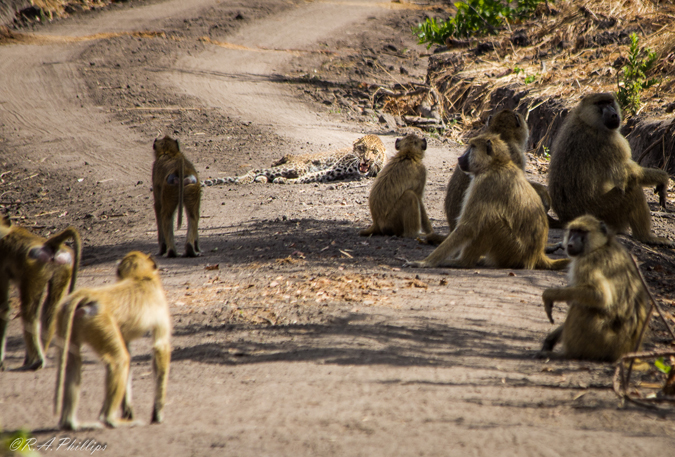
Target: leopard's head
[[371, 154]]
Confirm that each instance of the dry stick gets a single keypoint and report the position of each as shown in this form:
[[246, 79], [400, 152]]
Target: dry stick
[[666, 161], [626, 379], [617, 383]]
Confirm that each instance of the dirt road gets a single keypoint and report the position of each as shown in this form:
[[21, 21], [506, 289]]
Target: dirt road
[[306, 339]]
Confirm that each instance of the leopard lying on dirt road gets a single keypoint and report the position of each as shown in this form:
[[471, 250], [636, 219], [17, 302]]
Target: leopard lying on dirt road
[[365, 159]]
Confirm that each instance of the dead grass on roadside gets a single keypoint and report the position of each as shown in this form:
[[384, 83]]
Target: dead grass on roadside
[[57, 8], [579, 49]]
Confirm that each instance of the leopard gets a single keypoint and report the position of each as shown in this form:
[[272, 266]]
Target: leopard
[[364, 159]]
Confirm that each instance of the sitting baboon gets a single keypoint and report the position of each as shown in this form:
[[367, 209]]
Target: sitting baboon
[[175, 182], [591, 171], [512, 129], [42, 269], [608, 304], [396, 199], [108, 318], [502, 219]]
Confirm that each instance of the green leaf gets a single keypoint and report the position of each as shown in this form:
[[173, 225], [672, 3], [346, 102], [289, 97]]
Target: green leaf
[[662, 366]]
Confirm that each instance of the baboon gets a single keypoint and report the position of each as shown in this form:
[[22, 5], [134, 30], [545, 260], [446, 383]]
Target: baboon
[[512, 129], [108, 318], [175, 182], [39, 267], [396, 199], [608, 304], [591, 171], [502, 218]]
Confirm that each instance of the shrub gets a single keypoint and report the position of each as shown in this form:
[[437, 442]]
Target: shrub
[[474, 17], [634, 80]]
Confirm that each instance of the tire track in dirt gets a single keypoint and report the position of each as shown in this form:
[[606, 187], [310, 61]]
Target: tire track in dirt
[[239, 78], [45, 112]]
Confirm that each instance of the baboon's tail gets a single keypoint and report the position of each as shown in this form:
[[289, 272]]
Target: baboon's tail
[[181, 187], [550, 264], [65, 330]]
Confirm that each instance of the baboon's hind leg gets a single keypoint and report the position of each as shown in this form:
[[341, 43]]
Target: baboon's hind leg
[[113, 352], [31, 296], [192, 201], [170, 203], [640, 218], [4, 318]]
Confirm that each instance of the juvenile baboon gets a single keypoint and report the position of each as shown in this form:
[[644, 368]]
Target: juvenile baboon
[[396, 199], [591, 171], [608, 304], [108, 318], [512, 129], [39, 267], [502, 218], [175, 182]]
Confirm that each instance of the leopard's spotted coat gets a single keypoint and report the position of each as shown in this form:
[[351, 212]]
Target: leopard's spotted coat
[[365, 159]]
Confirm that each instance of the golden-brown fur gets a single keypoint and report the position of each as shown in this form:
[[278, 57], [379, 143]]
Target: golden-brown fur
[[175, 182], [396, 199], [591, 171], [512, 129], [107, 319], [608, 304], [39, 267], [502, 218]]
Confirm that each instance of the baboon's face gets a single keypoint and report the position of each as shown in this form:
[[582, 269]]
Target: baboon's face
[[601, 111], [585, 234], [478, 156]]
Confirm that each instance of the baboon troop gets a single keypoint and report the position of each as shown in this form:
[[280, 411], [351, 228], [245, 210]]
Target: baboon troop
[[108, 318], [497, 218], [396, 200], [43, 269], [608, 304], [175, 183]]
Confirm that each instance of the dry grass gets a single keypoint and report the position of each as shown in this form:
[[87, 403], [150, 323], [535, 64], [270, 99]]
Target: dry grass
[[57, 8], [579, 49]]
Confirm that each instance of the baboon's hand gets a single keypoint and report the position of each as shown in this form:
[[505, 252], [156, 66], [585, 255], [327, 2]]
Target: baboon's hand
[[548, 305], [661, 189]]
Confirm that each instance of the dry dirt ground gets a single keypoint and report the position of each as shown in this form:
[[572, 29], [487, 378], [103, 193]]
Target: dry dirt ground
[[292, 335]]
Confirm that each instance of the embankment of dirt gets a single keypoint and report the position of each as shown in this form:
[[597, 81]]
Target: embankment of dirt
[[9, 10], [541, 68]]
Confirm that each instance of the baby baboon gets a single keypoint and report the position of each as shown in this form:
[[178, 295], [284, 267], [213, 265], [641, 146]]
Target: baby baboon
[[608, 304], [39, 267], [396, 199], [512, 129], [591, 171], [108, 318], [502, 218], [175, 182]]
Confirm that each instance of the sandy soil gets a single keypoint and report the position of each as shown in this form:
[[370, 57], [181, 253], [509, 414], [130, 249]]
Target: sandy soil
[[292, 335]]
